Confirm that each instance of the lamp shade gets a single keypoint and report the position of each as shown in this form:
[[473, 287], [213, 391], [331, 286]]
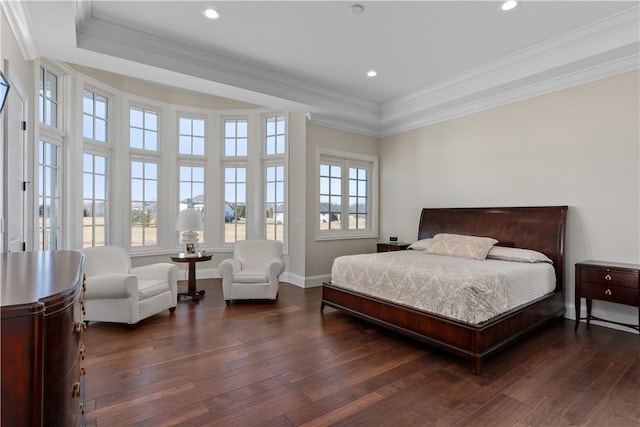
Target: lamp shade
[[189, 220]]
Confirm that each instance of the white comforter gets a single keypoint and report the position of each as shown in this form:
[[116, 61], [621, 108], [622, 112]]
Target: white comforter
[[463, 289]]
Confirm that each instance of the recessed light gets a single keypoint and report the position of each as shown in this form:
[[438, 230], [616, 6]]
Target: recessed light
[[356, 9], [372, 73], [211, 13], [509, 4]]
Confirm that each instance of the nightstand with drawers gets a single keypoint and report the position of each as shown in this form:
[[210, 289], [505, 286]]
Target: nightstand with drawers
[[607, 281], [392, 246]]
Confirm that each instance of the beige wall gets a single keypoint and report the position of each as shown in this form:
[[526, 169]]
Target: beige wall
[[578, 147], [320, 254]]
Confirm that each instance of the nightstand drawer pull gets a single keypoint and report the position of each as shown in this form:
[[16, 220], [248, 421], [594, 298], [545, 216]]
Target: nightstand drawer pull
[[608, 292], [607, 277]]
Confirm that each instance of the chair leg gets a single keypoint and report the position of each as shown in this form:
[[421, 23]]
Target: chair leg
[[172, 309], [227, 301]]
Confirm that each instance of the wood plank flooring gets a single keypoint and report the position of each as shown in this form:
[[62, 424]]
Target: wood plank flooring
[[286, 364]]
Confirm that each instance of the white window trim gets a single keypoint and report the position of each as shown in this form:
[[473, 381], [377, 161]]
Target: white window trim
[[345, 233]]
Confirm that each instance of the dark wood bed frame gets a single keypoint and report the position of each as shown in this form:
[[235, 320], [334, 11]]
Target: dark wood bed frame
[[538, 228]]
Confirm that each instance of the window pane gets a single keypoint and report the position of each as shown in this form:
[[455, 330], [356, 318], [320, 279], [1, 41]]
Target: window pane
[[241, 147], [87, 126], [235, 137], [143, 129], [242, 128], [100, 164], [198, 127], [144, 196], [51, 88], [150, 120], [191, 136], [48, 198], [185, 126], [184, 145], [275, 136], [100, 130], [100, 186], [150, 140], [235, 204], [135, 117], [101, 107], [87, 102], [95, 200], [135, 138]]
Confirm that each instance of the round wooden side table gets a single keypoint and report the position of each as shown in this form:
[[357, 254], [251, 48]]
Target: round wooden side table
[[192, 259]]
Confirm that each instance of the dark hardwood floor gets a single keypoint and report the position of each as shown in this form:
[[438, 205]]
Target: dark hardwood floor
[[286, 364]]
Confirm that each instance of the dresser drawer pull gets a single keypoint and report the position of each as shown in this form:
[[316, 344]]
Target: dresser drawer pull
[[608, 292], [79, 327], [75, 391], [607, 277], [82, 353], [83, 371]]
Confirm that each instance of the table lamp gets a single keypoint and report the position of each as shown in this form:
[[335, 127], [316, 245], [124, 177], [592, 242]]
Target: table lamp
[[189, 221]]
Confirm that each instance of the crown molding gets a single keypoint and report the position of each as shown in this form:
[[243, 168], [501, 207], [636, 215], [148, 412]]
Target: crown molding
[[20, 24], [127, 43], [344, 124], [584, 47], [601, 49], [509, 96]]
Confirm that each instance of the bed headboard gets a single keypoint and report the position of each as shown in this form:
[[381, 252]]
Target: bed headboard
[[541, 228]]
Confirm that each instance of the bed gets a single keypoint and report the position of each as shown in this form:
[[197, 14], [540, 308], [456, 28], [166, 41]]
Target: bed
[[541, 229]]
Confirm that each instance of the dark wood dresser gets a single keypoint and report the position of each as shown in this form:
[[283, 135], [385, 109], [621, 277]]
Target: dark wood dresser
[[42, 346], [607, 281]]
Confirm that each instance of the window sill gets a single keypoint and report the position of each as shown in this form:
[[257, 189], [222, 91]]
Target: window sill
[[347, 236]]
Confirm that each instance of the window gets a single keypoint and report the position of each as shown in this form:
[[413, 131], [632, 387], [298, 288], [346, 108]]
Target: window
[[191, 136], [274, 177], [235, 196], [144, 203], [94, 116], [143, 129], [274, 198], [192, 190], [235, 138], [94, 212], [358, 198], [330, 196], [48, 98], [275, 135], [347, 189], [48, 196]]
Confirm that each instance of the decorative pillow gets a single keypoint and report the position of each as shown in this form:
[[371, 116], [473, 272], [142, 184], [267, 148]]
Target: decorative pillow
[[421, 245], [517, 255], [459, 245]]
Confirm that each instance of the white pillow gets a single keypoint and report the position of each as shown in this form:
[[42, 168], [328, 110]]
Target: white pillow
[[421, 245], [517, 255], [459, 245]]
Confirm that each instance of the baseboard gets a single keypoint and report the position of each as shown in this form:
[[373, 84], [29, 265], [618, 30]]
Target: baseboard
[[294, 279]]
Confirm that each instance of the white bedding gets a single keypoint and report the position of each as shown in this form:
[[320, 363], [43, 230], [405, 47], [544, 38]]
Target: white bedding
[[467, 290]]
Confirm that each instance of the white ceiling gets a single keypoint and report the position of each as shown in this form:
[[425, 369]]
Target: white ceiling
[[435, 60]]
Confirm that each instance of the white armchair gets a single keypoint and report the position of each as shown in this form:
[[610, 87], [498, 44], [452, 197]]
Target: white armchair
[[254, 271], [115, 292]]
